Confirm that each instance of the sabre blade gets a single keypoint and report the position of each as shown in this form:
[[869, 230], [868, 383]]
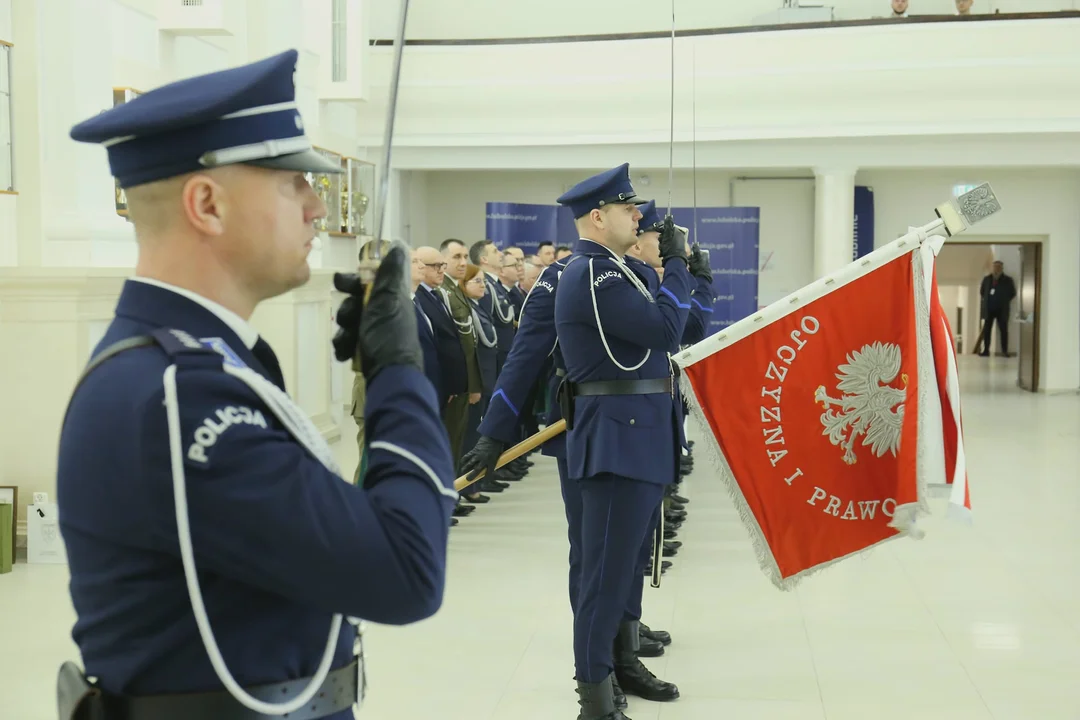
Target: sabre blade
[[968, 209], [388, 135]]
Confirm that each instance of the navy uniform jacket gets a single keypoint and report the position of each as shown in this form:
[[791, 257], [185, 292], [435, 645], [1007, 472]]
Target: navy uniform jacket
[[701, 308], [632, 436], [702, 299], [280, 541], [534, 343], [455, 370], [486, 357], [500, 309], [426, 330]]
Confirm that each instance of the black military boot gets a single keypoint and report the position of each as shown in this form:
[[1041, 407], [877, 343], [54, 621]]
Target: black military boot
[[660, 636], [647, 647], [617, 693], [597, 701], [634, 678]]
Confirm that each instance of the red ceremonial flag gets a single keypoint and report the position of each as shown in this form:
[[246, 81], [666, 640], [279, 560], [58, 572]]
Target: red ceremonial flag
[[833, 409]]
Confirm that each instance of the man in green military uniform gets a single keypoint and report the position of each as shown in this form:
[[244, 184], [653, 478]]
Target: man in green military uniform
[[457, 411]]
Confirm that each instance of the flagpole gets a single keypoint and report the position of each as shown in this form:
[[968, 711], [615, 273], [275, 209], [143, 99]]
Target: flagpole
[[954, 217]]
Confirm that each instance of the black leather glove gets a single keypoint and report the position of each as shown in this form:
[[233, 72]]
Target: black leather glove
[[484, 456], [699, 264], [672, 241], [387, 329], [346, 340]]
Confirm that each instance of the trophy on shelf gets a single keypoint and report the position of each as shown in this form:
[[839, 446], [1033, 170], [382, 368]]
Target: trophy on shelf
[[358, 210], [323, 187]]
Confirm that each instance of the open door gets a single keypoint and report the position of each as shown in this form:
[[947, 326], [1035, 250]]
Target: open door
[[1029, 295]]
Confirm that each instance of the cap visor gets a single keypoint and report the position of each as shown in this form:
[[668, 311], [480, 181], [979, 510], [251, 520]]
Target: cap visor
[[307, 161]]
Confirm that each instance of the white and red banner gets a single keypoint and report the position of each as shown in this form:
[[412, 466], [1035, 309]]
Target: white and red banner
[[832, 410]]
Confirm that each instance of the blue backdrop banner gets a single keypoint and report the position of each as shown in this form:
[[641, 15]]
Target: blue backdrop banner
[[730, 234], [526, 225], [863, 242]]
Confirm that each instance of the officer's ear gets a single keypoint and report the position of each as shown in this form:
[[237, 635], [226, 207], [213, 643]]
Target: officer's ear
[[598, 218], [203, 201]]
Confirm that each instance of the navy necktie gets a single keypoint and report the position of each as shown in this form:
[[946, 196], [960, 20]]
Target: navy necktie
[[265, 355]]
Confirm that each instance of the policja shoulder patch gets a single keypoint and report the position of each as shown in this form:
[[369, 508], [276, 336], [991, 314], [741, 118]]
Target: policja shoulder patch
[[213, 426]]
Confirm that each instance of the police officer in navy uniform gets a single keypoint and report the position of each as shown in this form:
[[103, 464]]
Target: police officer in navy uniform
[[535, 343], [643, 258], [619, 399], [702, 297], [214, 546]]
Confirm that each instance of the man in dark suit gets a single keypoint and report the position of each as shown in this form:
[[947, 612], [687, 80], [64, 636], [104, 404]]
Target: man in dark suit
[[453, 355], [425, 329], [509, 273], [453, 370], [997, 291]]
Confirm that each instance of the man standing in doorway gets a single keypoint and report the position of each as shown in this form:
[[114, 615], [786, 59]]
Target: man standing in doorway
[[997, 292]]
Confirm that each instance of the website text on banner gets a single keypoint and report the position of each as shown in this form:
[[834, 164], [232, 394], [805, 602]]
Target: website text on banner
[[863, 240], [731, 235], [830, 412]]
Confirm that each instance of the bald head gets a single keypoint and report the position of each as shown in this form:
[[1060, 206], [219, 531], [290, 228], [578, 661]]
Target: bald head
[[434, 265], [236, 235], [528, 278]]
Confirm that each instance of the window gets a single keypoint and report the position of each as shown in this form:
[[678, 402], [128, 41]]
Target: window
[[338, 39], [7, 156]]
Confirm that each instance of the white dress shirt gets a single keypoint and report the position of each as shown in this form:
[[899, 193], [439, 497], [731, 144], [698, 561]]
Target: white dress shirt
[[247, 334], [412, 295]]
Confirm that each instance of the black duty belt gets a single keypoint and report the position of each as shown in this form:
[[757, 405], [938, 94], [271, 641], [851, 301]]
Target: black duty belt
[[338, 693], [655, 386]]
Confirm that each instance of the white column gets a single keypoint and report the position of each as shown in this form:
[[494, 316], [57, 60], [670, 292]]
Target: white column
[[834, 218], [79, 221]]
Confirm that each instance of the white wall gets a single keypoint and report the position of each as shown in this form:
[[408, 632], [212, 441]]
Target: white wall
[[5, 21], [71, 251], [520, 18], [1038, 205], [893, 79]]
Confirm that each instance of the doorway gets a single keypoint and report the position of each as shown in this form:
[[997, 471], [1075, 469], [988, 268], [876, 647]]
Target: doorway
[[962, 270]]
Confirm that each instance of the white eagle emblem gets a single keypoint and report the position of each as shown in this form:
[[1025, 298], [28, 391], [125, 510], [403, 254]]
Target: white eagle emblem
[[870, 406]]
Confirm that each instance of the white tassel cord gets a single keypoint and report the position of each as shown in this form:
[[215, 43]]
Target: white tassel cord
[[720, 465]]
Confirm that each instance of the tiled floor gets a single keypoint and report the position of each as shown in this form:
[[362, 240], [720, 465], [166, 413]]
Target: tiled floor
[[970, 623]]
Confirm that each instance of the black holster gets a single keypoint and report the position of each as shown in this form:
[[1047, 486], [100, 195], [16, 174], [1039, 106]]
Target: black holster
[[565, 397], [76, 698]]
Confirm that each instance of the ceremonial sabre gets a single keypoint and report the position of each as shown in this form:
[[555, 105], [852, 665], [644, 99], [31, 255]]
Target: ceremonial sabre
[[369, 265], [671, 139]]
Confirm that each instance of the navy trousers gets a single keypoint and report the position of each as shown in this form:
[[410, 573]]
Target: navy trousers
[[637, 588], [615, 519], [571, 493]]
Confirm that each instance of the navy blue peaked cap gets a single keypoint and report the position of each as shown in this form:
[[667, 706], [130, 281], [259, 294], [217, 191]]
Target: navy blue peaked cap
[[611, 187], [650, 218], [246, 115]]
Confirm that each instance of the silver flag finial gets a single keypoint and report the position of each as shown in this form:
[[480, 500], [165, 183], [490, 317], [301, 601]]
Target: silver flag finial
[[968, 209]]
